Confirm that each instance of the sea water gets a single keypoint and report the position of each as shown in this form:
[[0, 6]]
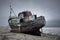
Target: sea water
[[51, 30]]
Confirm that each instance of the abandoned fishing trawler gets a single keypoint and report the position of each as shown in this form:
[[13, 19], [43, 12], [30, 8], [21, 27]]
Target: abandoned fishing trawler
[[26, 22]]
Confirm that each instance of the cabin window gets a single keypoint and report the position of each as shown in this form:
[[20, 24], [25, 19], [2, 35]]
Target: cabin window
[[21, 20]]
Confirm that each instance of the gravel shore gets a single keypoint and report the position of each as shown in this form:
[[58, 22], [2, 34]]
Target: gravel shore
[[6, 35]]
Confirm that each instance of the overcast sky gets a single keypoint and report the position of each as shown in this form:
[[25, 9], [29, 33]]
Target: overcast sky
[[48, 8]]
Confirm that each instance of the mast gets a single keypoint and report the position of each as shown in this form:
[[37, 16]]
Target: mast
[[11, 10]]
